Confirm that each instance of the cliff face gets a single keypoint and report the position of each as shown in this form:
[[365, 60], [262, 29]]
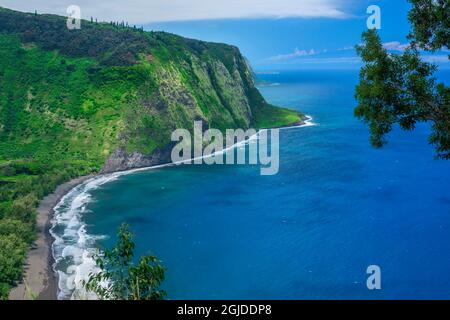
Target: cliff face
[[181, 90], [100, 99], [121, 160], [109, 96]]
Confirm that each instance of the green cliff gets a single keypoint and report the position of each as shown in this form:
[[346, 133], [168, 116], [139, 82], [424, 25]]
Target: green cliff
[[71, 100]]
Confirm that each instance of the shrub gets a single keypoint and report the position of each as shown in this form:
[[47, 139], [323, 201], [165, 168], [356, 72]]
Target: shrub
[[120, 279], [23, 208], [12, 256], [23, 230]]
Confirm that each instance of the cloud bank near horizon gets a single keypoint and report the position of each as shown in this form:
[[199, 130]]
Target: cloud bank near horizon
[[348, 55], [151, 11]]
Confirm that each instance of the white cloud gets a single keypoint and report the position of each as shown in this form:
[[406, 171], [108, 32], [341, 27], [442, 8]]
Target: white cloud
[[348, 48], [431, 58], [296, 54], [436, 58], [395, 46], [345, 55], [331, 60], [324, 61], [147, 11]]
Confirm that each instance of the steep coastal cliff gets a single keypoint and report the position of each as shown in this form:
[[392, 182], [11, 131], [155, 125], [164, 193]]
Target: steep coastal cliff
[[103, 98]]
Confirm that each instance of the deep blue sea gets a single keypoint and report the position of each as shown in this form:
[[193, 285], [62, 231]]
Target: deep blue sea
[[336, 206]]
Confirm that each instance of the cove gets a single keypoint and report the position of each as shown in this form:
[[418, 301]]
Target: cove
[[335, 207]]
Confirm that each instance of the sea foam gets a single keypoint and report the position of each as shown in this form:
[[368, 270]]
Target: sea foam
[[73, 248]]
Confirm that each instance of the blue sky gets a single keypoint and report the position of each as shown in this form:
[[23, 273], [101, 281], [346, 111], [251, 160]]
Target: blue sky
[[304, 43], [272, 34]]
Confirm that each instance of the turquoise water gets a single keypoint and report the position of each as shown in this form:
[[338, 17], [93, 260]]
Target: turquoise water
[[335, 207]]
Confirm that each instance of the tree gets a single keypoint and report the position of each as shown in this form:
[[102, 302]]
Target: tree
[[12, 256], [24, 208], [401, 89], [120, 279], [24, 231], [430, 21]]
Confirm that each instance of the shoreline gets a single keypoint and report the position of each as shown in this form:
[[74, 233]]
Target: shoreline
[[40, 280]]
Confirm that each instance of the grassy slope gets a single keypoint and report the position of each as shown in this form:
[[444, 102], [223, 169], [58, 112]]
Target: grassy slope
[[68, 100]]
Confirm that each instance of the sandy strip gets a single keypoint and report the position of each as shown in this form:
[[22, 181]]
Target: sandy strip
[[39, 281]]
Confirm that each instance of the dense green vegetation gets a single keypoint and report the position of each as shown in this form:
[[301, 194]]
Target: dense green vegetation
[[120, 279], [70, 98], [401, 89]]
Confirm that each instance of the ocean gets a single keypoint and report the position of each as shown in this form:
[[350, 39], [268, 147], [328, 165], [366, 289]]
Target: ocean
[[336, 207]]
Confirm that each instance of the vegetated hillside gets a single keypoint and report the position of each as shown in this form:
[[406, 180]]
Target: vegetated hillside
[[73, 100]]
